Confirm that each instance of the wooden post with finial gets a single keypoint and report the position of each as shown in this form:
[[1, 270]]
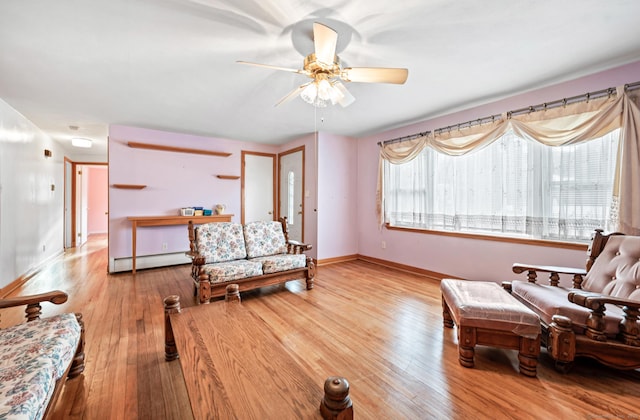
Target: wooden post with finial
[[171, 306], [336, 403]]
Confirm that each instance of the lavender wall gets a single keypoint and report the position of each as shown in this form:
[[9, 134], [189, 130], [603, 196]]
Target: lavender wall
[[31, 214], [466, 258], [173, 180], [176, 180], [337, 191]]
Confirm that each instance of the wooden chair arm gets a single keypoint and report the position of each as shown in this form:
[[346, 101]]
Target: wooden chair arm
[[594, 301], [629, 328], [196, 258], [56, 297], [520, 268], [554, 273], [295, 247]]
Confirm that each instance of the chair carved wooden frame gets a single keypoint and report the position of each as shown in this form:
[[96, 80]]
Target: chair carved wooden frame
[[205, 289], [47, 349], [598, 316]]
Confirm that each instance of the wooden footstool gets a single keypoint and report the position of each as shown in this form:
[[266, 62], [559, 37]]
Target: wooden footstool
[[488, 315]]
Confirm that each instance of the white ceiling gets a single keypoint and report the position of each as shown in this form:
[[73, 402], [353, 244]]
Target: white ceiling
[[170, 64]]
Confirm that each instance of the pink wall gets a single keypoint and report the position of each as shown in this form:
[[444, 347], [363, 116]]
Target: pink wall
[[466, 258], [173, 180], [337, 190], [98, 199]]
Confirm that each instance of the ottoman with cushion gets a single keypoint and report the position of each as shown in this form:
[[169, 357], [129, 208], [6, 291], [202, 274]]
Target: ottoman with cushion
[[487, 315]]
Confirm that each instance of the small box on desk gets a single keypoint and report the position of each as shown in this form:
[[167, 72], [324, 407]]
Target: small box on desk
[[186, 211]]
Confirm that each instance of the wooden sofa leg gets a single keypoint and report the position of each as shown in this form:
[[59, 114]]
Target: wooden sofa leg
[[204, 291], [77, 365], [311, 273], [562, 342], [447, 320]]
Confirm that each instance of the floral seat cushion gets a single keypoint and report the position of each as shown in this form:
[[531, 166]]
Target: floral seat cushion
[[232, 270], [220, 242], [282, 262], [33, 356], [264, 238]]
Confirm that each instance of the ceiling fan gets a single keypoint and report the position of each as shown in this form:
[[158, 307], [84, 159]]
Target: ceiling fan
[[323, 67]]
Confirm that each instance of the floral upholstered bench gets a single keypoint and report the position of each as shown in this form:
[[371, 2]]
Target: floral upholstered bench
[[37, 356], [254, 255]]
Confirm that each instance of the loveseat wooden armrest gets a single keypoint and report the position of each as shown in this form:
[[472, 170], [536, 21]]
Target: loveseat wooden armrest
[[629, 328], [295, 247], [554, 273], [33, 310]]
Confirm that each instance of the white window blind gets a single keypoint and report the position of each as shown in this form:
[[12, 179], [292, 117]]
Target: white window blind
[[512, 187]]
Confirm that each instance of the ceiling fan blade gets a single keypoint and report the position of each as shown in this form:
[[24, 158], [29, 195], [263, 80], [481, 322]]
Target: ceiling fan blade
[[325, 40], [272, 67], [375, 75], [295, 92], [346, 98]]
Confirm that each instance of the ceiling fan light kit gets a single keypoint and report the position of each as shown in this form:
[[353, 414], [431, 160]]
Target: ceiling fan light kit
[[323, 67]]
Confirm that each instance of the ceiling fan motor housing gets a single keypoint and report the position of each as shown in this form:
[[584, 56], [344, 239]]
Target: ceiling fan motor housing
[[315, 67]]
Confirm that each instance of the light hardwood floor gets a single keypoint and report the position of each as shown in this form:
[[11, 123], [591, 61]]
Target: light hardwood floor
[[383, 326]]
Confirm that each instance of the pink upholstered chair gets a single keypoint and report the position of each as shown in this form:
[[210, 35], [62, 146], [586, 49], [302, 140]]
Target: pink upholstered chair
[[598, 316]]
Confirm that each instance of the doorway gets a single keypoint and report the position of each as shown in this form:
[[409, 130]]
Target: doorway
[[85, 201], [258, 186], [291, 191]]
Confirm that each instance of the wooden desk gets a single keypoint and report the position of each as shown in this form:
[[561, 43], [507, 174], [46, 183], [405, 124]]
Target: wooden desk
[[234, 366], [146, 221]]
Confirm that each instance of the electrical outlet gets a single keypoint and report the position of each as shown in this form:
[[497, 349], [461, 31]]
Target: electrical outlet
[[164, 246], [383, 245]]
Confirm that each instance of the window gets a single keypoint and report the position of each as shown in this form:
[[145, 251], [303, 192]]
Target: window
[[290, 197], [513, 187]]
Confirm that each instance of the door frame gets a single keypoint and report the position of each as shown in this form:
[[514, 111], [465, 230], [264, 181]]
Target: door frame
[[73, 193], [243, 153], [289, 152]]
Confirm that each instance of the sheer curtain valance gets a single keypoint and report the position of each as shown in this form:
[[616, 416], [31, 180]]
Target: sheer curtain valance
[[564, 125]]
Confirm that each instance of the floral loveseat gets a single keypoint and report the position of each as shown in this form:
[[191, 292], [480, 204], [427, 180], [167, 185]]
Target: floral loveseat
[[254, 255], [37, 356]]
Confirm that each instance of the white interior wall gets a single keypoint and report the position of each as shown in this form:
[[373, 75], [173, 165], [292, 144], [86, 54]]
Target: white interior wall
[[31, 196]]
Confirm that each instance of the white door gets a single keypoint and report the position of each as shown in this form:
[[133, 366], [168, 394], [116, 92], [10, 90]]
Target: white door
[[291, 191], [258, 192]]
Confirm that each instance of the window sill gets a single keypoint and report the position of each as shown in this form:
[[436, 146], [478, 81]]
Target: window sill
[[485, 237]]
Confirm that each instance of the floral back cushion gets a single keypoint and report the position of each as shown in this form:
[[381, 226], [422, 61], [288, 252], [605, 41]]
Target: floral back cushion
[[219, 242], [264, 238]]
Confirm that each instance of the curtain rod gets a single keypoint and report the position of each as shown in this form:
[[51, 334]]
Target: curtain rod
[[533, 108]]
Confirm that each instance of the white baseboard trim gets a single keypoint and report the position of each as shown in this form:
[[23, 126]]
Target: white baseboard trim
[[117, 265]]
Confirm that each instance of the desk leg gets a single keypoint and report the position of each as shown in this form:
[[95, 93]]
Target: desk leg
[[134, 226]]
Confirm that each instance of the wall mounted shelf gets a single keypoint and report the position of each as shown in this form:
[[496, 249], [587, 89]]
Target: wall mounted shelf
[[228, 176], [129, 186], [137, 145]]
